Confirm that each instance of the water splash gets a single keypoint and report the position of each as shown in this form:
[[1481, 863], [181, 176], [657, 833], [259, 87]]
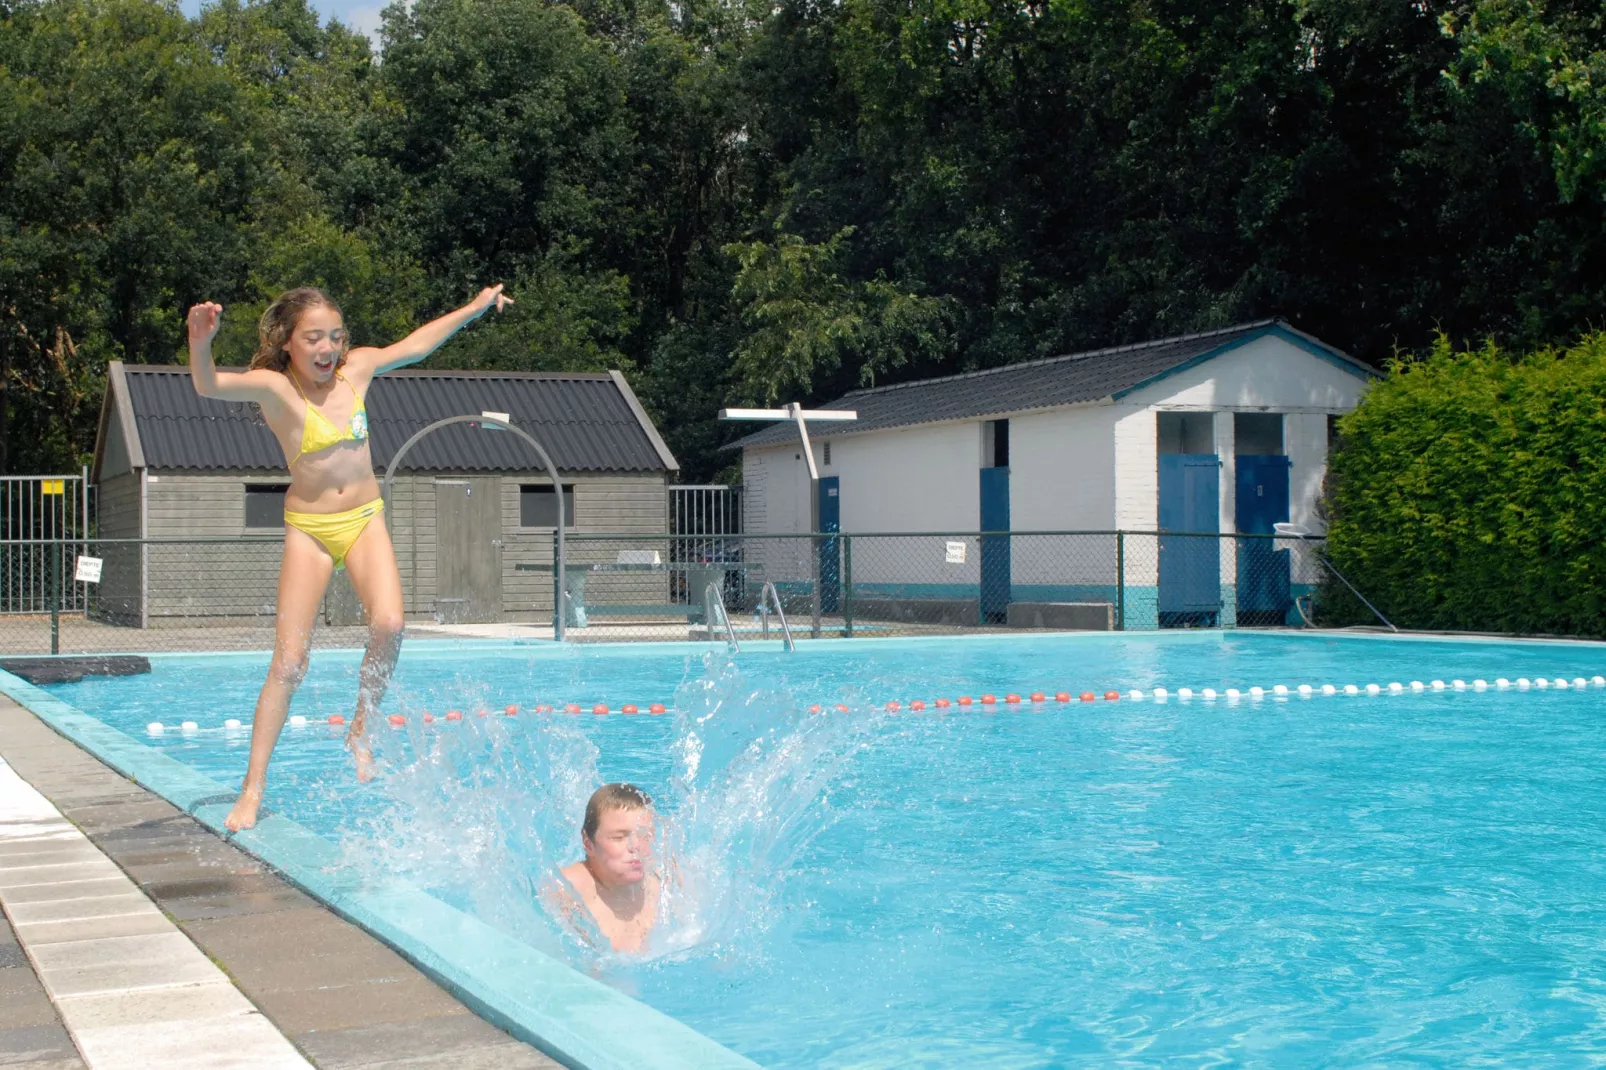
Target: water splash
[[485, 813]]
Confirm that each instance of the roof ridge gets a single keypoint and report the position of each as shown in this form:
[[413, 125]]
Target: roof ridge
[[1128, 347], [405, 373]]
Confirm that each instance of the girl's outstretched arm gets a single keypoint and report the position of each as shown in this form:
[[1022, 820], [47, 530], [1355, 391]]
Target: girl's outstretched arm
[[428, 338], [258, 385]]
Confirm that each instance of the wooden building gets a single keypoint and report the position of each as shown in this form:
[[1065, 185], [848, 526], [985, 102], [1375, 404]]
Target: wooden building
[[197, 487]]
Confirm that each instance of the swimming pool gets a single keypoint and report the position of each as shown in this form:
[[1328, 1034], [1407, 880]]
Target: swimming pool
[[1273, 881]]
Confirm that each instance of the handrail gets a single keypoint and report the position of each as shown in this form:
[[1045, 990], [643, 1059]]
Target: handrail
[[765, 596], [712, 600]]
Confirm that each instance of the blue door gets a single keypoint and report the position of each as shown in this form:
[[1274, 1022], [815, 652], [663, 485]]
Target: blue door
[[1263, 588], [994, 548], [1190, 568], [829, 549]]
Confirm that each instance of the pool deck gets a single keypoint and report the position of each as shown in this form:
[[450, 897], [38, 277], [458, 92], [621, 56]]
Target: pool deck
[[133, 936]]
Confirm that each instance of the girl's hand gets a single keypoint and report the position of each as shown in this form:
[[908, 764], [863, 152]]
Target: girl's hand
[[489, 298], [203, 321]]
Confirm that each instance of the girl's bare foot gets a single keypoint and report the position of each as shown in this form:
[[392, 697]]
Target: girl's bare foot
[[244, 814], [364, 755]]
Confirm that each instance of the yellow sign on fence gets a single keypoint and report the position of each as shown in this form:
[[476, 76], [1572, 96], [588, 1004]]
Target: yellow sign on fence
[[57, 487]]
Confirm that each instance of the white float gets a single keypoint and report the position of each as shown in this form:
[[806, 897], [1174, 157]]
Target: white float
[[1417, 687], [1480, 685], [1257, 692], [1580, 683], [1373, 689], [1305, 691], [298, 721], [1502, 683], [1135, 695], [1351, 689], [1280, 690], [1598, 681], [1234, 694], [1437, 685], [190, 726], [1329, 689], [1523, 683], [232, 722], [156, 728], [1459, 685], [1184, 692], [1209, 694], [1541, 683], [1396, 689], [1562, 684]]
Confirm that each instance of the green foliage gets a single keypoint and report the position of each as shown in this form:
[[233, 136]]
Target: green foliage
[[1469, 491], [747, 201]]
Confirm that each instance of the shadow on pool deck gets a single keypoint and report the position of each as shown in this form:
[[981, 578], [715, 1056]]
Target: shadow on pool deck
[[342, 997]]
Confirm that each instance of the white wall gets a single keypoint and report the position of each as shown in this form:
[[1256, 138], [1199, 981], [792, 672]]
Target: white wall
[[1269, 374], [911, 479], [1305, 440]]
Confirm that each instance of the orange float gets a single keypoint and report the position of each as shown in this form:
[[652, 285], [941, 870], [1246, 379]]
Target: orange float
[[1038, 696], [511, 711], [814, 709], [917, 705], [964, 700], [599, 708], [429, 718], [572, 707], [396, 719], [335, 718], [1112, 696], [989, 700], [657, 707], [1012, 698], [454, 715], [628, 709], [1062, 696], [893, 707], [941, 704]]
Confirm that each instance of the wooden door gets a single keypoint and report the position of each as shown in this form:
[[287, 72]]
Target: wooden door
[[468, 550]]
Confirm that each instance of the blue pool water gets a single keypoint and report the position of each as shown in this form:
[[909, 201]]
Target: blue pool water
[[1331, 881]]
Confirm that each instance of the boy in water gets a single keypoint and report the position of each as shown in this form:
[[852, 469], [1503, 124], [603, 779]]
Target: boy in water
[[614, 883]]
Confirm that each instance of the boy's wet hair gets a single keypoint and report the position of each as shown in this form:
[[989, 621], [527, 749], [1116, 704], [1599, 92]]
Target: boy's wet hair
[[611, 797]]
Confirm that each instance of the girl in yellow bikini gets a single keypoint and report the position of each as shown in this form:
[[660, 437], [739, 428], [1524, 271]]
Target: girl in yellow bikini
[[310, 389]]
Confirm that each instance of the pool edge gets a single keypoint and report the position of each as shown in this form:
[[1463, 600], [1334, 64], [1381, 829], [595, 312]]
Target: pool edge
[[540, 1000]]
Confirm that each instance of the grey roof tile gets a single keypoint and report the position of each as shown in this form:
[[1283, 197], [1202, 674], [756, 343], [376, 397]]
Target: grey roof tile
[[583, 421], [1038, 384]]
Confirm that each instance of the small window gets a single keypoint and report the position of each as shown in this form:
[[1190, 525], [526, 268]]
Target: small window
[[995, 444], [264, 506], [827, 454], [538, 508]]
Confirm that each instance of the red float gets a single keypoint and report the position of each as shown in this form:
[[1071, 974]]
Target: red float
[[941, 704], [990, 700], [628, 709], [335, 718], [511, 711], [396, 719], [1111, 696], [814, 709], [1062, 696], [917, 705], [599, 708], [572, 708], [657, 707], [964, 700]]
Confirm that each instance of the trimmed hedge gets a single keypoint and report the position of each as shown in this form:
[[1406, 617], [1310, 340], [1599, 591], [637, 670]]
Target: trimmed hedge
[[1468, 492]]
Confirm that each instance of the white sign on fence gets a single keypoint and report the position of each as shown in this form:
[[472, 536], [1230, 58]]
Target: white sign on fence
[[956, 553], [88, 570]]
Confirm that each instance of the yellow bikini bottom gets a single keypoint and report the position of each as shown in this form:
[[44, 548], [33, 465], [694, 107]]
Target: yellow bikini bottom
[[336, 531]]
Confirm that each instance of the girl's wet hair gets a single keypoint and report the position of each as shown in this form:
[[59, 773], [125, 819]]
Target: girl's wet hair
[[279, 322], [611, 797]]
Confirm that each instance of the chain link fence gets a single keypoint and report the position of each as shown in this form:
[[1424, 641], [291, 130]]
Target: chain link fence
[[208, 594]]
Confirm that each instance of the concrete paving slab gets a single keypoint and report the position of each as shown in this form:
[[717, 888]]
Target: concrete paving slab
[[382, 1002], [121, 963], [30, 1046], [112, 884], [453, 1037], [236, 1042], [55, 932], [325, 947], [103, 906], [23, 1003], [13, 876], [115, 1010]]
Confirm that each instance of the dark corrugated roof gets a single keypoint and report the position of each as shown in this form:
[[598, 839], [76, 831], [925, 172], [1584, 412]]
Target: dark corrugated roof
[[584, 421], [1038, 384]]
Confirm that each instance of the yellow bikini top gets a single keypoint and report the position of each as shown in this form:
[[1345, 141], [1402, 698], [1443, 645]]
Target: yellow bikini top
[[317, 433]]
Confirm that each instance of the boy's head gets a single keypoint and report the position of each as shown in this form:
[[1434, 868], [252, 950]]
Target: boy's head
[[618, 833]]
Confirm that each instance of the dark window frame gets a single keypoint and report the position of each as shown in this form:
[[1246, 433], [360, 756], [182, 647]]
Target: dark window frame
[[532, 493], [254, 519]]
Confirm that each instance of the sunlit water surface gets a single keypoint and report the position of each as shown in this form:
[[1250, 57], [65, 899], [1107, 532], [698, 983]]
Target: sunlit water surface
[[1331, 881]]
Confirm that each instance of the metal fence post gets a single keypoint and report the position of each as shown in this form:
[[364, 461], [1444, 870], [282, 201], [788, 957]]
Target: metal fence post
[[847, 586], [558, 607], [1120, 581], [55, 597]]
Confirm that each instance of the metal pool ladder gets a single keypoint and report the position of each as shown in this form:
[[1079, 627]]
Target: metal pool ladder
[[767, 597], [713, 600]]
